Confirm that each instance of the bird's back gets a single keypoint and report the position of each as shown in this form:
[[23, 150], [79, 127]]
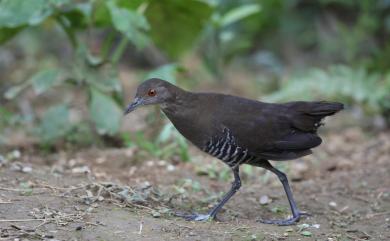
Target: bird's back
[[265, 130]]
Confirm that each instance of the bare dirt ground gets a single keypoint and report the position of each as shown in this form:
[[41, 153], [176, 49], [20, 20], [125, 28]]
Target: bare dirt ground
[[112, 195]]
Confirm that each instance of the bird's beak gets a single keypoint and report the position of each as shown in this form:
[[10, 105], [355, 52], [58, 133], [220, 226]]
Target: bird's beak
[[132, 106]]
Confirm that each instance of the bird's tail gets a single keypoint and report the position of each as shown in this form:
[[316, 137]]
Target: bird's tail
[[309, 114], [323, 108]]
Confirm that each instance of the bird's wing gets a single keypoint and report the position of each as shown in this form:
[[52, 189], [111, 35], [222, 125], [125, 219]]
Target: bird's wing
[[269, 131]]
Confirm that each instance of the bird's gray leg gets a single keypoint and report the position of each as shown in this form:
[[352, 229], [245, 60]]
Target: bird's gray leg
[[213, 212], [294, 209]]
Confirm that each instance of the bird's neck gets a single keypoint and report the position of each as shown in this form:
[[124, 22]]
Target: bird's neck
[[181, 102], [181, 113]]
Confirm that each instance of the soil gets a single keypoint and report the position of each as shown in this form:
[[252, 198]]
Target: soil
[[114, 194]]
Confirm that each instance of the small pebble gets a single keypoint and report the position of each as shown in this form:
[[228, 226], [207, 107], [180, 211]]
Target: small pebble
[[27, 169], [2, 160], [156, 214], [15, 154], [316, 226], [150, 163], [264, 200], [333, 204], [170, 168], [78, 228], [81, 170], [162, 163]]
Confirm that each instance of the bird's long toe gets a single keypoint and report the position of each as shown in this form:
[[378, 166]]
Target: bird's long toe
[[194, 216], [283, 222]]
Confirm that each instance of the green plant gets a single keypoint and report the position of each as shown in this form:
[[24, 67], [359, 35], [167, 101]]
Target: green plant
[[168, 143], [96, 75], [123, 22], [346, 84], [221, 38]]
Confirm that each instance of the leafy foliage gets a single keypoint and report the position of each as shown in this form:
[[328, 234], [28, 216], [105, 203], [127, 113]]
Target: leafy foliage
[[346, 84], [184, 21], [96, 73], [44, 80], [55, 123], [168, 143], [221, 39], [166, 72], [105, 113], [352, 33], [14, 13], [130, 23]]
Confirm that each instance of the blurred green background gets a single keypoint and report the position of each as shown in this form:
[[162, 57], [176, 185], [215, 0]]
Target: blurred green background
[[69, 67]]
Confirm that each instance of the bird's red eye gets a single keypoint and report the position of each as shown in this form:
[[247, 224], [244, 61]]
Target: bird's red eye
[[152, 92]]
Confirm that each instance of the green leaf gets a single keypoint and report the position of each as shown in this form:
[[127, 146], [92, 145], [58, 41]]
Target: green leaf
[[14, 13], [129, 23], [78, 17], [166, 72], [54, 123], [8, 33], [15, 90], [239, 13], [101, 15], [105, 113], [177, 24], [43, 80], [306, 233], [106, 83]]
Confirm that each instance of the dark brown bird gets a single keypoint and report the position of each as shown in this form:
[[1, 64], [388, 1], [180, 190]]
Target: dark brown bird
[[240, 131]]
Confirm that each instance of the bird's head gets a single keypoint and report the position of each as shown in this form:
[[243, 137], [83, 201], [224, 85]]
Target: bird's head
[[152, 91]]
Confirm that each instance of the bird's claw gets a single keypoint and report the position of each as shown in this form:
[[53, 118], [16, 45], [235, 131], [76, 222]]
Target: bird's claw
[[284, 222], [194, 216]]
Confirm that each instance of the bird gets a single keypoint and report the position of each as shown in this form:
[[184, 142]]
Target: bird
[[240, 131]]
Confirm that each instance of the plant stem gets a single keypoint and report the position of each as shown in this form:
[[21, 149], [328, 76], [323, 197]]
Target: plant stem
[[69, 32], [119, 50], [107, 45]]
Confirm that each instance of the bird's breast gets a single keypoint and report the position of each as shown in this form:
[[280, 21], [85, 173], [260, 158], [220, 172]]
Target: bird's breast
[[192, 128]]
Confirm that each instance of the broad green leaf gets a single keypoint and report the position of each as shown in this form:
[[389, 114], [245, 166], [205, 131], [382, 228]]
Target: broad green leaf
[[15, 90], [54, 123], [111, 83], [176, 24], [14, 13], [104, 82], [43, 80], [79, 16], [105, 113], [129, 23], [166, 72], [101, 15], [8, 33], [239, 13]]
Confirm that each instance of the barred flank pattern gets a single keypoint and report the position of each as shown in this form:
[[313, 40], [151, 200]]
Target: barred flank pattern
[[225, 148]]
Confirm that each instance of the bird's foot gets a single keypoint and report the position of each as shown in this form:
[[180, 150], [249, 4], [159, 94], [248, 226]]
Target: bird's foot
[[195, 216], [284, 222]]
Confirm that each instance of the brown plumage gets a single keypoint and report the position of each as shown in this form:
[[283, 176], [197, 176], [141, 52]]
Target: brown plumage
[[240, 131]]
